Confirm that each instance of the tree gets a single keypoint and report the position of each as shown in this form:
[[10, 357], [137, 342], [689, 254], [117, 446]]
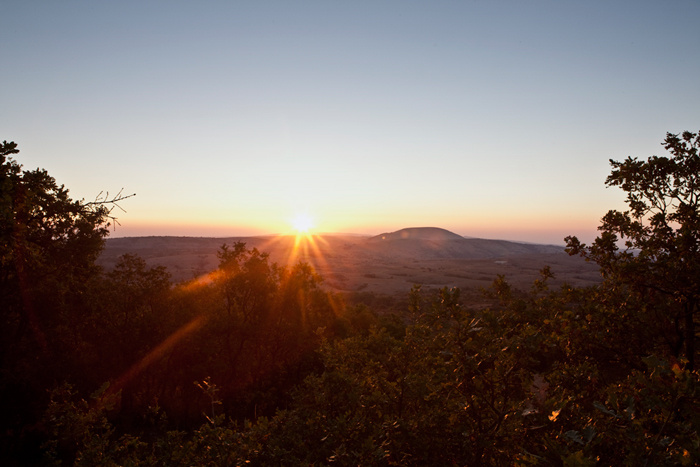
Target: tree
[[131, 316], [48, 247], [47, 240], [650, 253]]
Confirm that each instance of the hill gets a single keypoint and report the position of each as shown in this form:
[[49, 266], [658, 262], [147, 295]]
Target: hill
[[435, 243], [433, 234], [388, 263]]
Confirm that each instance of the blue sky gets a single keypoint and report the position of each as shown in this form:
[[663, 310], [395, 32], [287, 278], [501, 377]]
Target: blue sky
[[491, 119]]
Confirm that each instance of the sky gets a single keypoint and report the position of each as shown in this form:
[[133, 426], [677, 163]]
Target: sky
[[492, 119]]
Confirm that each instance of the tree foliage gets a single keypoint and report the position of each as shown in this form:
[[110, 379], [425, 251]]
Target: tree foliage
[[652, 250], [259, 364], [48, 246]]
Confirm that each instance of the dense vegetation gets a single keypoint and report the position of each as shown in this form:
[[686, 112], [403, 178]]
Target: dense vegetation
[[258, 364]]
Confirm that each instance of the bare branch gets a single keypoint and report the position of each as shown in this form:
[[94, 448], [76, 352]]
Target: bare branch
[[101, 200], [104, 201]]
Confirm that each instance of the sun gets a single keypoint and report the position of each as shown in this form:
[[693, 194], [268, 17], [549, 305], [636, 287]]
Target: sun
[[303, 223]]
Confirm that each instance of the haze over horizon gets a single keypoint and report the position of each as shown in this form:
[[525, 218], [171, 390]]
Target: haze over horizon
[[488, 119], [311, 235]]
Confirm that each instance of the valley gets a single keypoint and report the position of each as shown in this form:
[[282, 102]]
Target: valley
[[389, 263]]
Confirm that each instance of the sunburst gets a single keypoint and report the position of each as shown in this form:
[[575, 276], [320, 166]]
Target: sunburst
[[303, 224]]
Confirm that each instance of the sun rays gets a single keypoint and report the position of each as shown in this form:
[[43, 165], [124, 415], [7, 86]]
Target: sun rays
[[301, 246], [305, 245], [295, 254]]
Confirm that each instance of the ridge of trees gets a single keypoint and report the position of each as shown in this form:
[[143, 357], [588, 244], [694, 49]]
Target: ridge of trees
[[258, 364]]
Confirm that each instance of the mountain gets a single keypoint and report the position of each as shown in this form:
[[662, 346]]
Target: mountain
[[436, 243], [433, 234]]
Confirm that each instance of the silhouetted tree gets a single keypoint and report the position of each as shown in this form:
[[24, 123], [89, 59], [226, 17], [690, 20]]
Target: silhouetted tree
[[651, 252], [48, 246]]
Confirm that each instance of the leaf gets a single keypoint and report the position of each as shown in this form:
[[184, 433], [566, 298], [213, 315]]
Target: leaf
[[604, 409], [574, 436], [553, 416], [588, 433]]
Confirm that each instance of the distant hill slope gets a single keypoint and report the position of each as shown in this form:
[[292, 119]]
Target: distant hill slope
[[434, 234], [436, 243]]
